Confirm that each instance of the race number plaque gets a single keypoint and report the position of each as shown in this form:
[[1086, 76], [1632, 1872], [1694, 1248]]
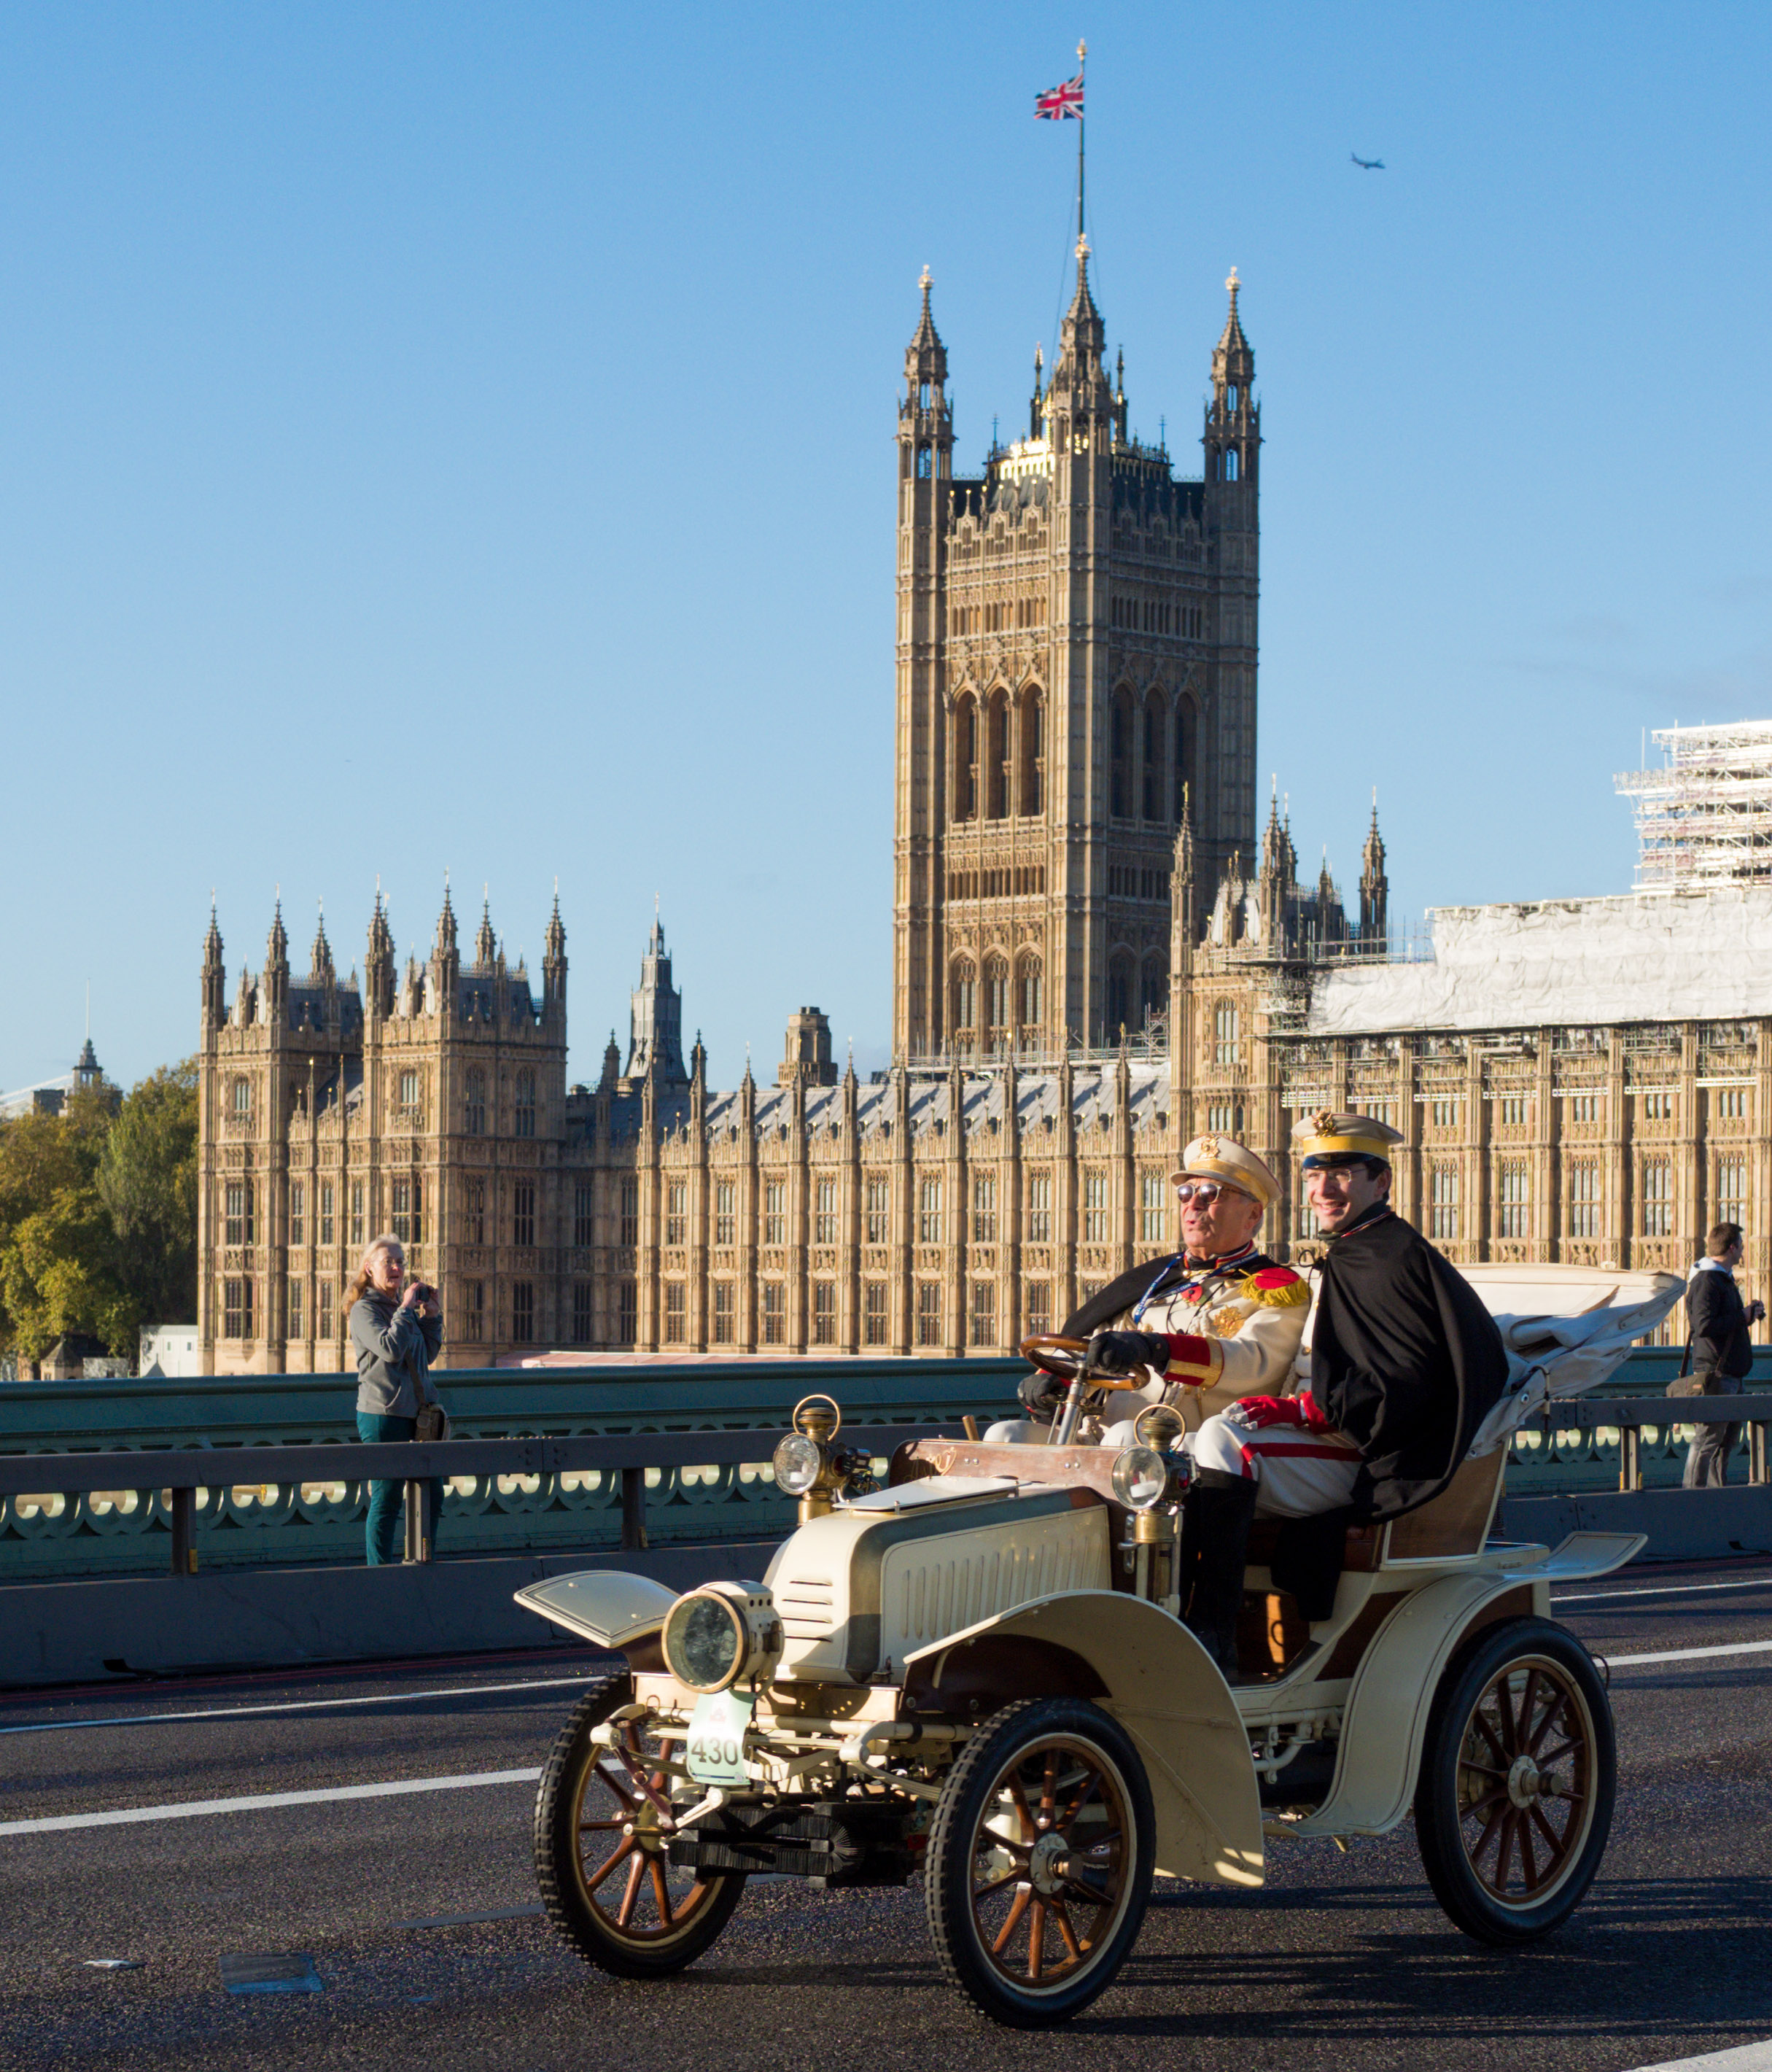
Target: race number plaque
[[716, 1750]]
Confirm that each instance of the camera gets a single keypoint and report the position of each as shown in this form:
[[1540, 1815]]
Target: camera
[[423, 1291]]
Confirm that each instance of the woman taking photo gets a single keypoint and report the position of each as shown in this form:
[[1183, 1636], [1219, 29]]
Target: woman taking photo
[[395, 1335]]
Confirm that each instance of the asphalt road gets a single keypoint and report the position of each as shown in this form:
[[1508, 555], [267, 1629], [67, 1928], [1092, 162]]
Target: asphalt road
[[1342, 1960]]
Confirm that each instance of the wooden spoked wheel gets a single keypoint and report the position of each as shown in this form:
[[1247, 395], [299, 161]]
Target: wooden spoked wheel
[[603, 1830], [1040, 1860], [1513, 1804]]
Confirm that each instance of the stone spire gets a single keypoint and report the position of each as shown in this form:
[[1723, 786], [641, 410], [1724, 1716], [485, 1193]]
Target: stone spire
[[1232, 438], [554, 956], [1081, 339], [1374, 894], [926, 357], [321, 970], [1036, 408], [277, 965], [485, 944], [215, 975], [378, 969], [656, 1036], [1183, 890]]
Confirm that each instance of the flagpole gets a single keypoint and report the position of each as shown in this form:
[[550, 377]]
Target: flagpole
[[1082, 52]]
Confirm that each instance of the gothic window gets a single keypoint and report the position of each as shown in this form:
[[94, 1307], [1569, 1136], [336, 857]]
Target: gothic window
[[408, 1092], [630, 1212], [326, 1212], [1230, 397], [923, 463], [1443, 1202], [774, 1295], [675, 1312], [874, 1331], [297, 1212], [1039, 1307], [236, 1309], [1729, 1196], [823, 1312], [879, 1213], [581, 1313], [923, 396], [1122, 979], [997, 1005], [473, 1203], [1156, 990], [524, 1119], [775, 1212], [237, 1200], [1231, 465], [1657, 1198], [983, 1323], [1039, 1208], [724, 1222], [824, 1228], [1226, 1034], [1120, 756], [928, 1313], [295, 1294], [356, 1212], [583, 1214], [677, 1212], [1150, 1208], [1094, 1207], [1184, 754], [965, 994], [966, 760], [523, 1312], [1516, 1209], [1028, 802], [984, 1210], [997, 765], [929, 1221], [242, 1095], [474, 1117], [1153, 786], [1031, 992], [405, 1213], [1584, 1200], [627, 1314], [722, 1313], [522, 1212]]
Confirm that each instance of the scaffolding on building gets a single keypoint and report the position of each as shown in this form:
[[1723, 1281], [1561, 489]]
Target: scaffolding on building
[[1705, 817]]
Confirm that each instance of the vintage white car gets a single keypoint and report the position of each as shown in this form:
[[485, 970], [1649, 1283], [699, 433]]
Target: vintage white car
[[976, 1675]]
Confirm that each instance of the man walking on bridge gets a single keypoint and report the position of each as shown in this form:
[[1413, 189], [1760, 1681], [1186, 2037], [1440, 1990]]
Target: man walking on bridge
[[1720, 1349]]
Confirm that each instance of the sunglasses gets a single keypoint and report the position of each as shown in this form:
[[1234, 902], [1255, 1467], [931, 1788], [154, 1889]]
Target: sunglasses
[[1205, 1192]]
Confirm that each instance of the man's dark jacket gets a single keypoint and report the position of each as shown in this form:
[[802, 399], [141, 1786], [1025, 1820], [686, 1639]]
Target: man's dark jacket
[[1404, 1359], [1718, 1320]]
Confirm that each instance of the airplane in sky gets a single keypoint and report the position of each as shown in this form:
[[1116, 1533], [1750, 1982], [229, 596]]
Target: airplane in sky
[[1367, 165]]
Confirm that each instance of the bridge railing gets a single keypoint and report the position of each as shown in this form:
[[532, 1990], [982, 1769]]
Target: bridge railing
[[266, 1471]]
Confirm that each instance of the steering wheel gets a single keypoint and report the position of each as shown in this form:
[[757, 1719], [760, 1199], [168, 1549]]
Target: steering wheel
[[1066, 1359]]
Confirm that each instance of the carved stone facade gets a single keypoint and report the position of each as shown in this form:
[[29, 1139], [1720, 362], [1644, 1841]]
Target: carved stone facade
[[1076, 657]]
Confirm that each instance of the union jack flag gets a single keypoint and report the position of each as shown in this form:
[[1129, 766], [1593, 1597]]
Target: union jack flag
[[1061, 104]]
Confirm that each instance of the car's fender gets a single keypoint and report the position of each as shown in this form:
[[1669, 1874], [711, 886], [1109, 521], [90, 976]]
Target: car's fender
[[1163, 1687], [607, 1607]]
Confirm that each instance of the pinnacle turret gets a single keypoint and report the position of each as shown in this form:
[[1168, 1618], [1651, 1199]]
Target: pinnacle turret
[[214, 976], [1374, 891], [485, 944], [320, 968], [446, 925]]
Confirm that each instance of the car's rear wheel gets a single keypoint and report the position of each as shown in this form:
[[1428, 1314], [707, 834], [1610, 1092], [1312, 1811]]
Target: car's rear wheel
[[1040, 1860], [1513, 1804], [602, 1831]]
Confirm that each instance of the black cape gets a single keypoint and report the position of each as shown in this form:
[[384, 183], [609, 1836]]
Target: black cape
[[1404, 1359], [1150, 1276]]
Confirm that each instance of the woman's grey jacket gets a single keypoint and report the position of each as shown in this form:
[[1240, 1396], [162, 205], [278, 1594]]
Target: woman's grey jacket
[[394, 1349]]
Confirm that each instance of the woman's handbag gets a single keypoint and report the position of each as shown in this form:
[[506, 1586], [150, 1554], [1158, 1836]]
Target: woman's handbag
[[431, 1423]]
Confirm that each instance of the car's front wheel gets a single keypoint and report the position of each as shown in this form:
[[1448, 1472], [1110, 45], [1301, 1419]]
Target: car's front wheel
[[1040, 1860], [1513, 1803], [602, 1831]]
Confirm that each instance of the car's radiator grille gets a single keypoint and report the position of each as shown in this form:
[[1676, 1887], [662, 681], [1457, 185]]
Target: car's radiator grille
[[932, 1593]]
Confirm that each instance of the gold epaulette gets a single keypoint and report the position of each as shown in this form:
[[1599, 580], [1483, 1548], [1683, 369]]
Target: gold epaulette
[[1290, 1293]]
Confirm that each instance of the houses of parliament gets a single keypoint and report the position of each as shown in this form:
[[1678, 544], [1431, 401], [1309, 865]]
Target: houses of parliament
[[1096, 956]]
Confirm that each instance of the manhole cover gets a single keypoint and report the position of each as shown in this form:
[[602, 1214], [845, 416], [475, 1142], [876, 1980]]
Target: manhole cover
[[246, 1973]]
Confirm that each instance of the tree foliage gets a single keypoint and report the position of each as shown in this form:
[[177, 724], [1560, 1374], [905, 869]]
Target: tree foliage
[[98, 1215]]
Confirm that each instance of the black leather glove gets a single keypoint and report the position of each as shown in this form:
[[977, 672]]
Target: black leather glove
[[1124, 1352], [1043, 1395]]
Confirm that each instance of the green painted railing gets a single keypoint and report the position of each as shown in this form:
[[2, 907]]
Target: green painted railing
[[56, 1534]]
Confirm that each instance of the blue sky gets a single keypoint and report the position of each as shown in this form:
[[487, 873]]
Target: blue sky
[[442, 437]]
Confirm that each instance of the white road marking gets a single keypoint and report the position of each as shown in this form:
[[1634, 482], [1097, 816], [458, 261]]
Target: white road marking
[[1691, 1653], [265, 1802], [1745, 2057], [297, 1705], [1665, 1590]]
